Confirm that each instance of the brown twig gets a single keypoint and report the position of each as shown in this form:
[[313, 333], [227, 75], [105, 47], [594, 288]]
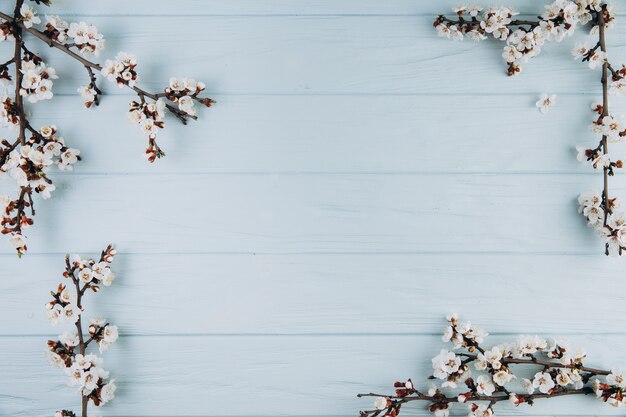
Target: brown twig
[[17, 58], [181, 115]]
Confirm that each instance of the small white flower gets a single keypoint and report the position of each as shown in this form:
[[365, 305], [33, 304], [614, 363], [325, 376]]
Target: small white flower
[[484, 385], [18, 241], [545, 102], [380, 403], [29, 16], [55, 360], [618, 88], [616, 378], [108, 392], [445, 363], [85, 275], [580, 50], [544, 382], [186, 104], [69, 339], [70, 313], [527, 386], [503, 377], [563, 379], [597, 59]]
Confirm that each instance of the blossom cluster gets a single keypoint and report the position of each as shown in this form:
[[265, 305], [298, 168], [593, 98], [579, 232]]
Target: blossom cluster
[[36, 79], [184, 92], [149, 117], [69, 351], [121, 70], [29, 166], [31, 81], [524, 39], [598, 208], [557, 368], [83, 36]]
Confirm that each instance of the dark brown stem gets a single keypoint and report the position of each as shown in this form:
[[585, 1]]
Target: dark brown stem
[[82, 346], [491, 398], [605, 108], [476, 23], [396, 402], [17, 57], [182, 116]]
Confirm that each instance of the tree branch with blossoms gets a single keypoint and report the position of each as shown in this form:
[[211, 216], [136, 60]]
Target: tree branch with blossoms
[[524, 40], [556, 370], [69, 351], [27, 78]]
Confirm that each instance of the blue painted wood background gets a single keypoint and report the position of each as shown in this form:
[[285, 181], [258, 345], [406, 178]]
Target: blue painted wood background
[[358, 179]]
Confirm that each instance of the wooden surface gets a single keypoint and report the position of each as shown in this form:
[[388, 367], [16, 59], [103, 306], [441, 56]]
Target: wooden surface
[[358, 179]]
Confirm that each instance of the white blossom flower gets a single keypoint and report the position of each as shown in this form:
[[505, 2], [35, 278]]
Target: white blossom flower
[[381, 403], [529, 345], [121, 70], [612, 127], [85, 275], [108, 392], [18, 242], [484, 385], [70, 313], [503, 377], [591, 207], [55, 360], [69, 339], [616, 378], [618, 87], [601, 161], [480, 411], [186, 104], [563, 378], [480, 363], [545, 102], [445, 363], [445, 412], [109, 336], [29, 16], [527, 386], [580, 50], [54, 315], [511, 54], [68, 159], [597, 59], [87, 38], [543, 382]]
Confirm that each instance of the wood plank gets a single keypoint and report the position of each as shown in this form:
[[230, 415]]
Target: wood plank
[[318, 213], [339, 134], [300, 376], [327, 55], [267, 7], [325, 294]]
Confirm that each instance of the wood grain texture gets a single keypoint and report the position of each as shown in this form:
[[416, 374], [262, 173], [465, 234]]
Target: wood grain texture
[[268, 7], [327, 294], [260, 376], [338, 134], [327, 55], [318, 214], [302, 241]]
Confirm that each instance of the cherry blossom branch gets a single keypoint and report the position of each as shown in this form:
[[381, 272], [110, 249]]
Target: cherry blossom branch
[[561, 372], [28, 158], [524, 40], [17, 58], [69, 352]]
